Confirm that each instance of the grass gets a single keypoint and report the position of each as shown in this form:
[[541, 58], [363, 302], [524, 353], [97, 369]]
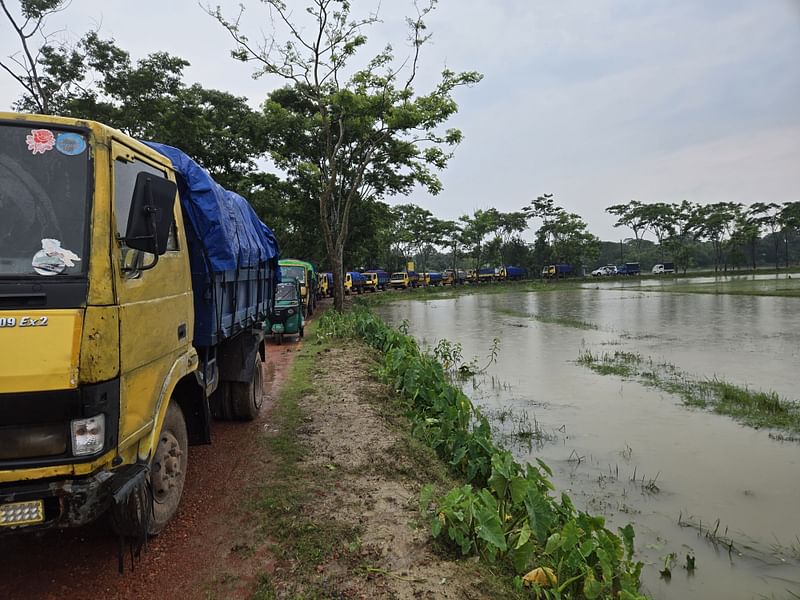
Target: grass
[[732, 286], [754, 408], [563, 321], [447, 292], [736, 284], [619, 363], [285, 504]]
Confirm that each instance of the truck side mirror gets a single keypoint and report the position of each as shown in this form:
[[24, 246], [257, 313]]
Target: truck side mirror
[[150, 216]]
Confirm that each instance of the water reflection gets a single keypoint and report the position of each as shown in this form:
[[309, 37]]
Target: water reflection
[[609, 439]]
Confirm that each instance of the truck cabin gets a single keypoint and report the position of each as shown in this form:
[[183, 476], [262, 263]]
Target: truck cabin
[[400, 279]]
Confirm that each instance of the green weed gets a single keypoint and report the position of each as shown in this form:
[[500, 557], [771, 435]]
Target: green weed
[[750, 407], [505, 513]]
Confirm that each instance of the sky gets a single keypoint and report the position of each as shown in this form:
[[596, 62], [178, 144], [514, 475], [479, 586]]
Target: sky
[[598, 102]]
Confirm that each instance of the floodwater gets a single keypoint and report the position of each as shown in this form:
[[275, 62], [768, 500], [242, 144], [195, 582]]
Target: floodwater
[[690, 481]]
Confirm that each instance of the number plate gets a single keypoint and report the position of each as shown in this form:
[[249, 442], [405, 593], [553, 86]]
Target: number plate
[[16, 514]]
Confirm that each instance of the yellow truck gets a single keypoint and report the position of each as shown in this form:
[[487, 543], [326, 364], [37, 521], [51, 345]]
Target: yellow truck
[[127, 320]]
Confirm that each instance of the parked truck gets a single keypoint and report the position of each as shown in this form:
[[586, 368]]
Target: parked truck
[[404, 279], [662, 268], [631, 268], [430, 278], [126, 320], [377, 279], [510, 273], [556, 271], [354, 282]]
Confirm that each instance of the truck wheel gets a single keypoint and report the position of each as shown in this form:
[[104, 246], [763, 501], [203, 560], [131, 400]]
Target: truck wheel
[[220, 402], [301, 331], [247, 398], [168, 468]]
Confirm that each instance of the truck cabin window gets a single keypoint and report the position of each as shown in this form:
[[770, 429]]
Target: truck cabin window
[[45, 195], [124, 183], [291, 272]]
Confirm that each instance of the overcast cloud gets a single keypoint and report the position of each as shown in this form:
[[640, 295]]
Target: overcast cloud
[[597, 102]]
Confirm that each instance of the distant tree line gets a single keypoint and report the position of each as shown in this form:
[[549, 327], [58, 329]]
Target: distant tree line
[[723, 235]]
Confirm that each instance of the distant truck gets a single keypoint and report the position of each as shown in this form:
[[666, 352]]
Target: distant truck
[[325, 286], [629, 269], [509, 273], [354, 282], [376, 279], [134, 292], [430, 278], [454, 276], [404, 279], [557, 271], [662, 268]]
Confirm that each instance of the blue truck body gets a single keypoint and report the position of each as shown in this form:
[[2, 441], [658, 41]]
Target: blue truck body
[[629, 269], [513, 273], [233, 255], [383, 277], [434, 278]]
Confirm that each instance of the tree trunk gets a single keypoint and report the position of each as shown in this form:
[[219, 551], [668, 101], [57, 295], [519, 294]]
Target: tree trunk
[[337, 260]]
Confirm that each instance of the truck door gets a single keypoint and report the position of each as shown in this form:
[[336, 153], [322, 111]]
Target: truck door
[[155, 305]]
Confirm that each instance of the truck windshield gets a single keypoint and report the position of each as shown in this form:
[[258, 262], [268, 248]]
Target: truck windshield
[[44, 196], [286, 292], [288, 273]]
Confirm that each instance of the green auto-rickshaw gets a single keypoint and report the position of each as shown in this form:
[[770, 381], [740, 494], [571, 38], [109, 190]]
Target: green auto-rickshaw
[[286, 316]]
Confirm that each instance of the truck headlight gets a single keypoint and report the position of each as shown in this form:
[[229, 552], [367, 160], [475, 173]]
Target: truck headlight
[[88, 435]]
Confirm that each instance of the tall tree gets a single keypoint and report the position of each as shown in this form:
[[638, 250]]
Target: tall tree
[[509, 226], [35, 46], [716, 223], [768, 217], [365, 131], [634, 216], [683, 220], [658, 218], [475, 230], [790, 224]]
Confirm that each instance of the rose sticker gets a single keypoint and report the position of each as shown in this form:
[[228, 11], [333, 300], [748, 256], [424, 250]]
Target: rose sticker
[[40, 140]]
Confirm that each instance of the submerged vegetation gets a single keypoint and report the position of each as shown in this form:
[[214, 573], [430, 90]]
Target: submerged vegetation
[[505, 513], [750, 407], [541, 318]]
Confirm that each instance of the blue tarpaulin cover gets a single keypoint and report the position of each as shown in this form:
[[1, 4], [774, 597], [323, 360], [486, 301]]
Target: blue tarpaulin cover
[[231, 233], [232, 254]]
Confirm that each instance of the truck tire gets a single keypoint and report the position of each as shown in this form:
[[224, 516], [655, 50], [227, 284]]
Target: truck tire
[[247, 398], [168, 468], [220, 402]]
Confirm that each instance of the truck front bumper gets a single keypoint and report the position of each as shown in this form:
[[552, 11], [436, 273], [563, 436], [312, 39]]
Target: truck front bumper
[[66, 502]]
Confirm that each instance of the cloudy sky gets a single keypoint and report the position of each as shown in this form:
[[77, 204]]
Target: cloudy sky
[[596, 101]]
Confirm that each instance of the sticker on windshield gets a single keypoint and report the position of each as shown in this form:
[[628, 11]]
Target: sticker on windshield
[[70, 144], [40, 140], [52, 259]]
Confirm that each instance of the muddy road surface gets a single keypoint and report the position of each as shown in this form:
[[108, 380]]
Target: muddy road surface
[[201, 542]]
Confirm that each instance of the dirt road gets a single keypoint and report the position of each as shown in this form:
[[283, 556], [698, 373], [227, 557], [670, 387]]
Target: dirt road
[[82, 563]]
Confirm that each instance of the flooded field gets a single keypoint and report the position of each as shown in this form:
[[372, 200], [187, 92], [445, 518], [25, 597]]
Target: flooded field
[[697, 486]]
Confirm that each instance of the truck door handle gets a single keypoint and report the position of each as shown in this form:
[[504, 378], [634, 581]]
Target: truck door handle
[[182, 331]]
